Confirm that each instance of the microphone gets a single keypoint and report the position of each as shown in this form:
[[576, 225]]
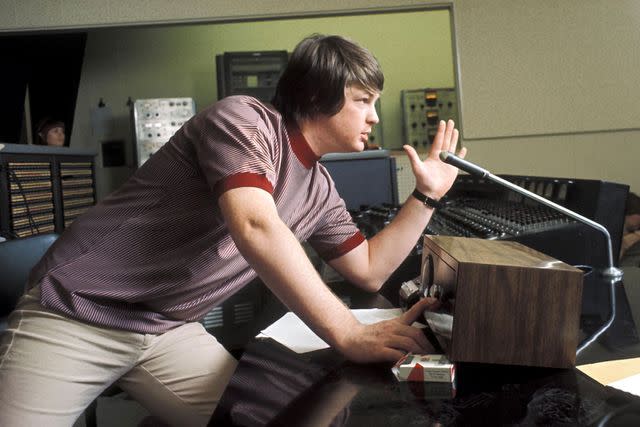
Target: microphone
[[472, 169]]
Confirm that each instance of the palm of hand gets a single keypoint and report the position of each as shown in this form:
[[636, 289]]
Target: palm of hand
[[433, 176]]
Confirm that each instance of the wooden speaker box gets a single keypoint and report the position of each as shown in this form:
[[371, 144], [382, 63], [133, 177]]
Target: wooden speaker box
[[501, 302]]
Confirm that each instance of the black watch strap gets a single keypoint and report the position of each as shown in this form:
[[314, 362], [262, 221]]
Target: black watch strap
[[426, 200]]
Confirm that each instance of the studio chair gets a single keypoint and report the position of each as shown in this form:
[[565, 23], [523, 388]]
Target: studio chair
[[17, 258]]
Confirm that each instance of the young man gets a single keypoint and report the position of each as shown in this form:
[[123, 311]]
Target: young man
[[229, 197]]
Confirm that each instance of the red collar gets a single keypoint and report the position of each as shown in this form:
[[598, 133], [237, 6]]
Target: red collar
[[301, 147]]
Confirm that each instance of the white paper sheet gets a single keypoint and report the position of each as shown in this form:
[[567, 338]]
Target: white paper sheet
[[630, 384], [623, 374], [291, 332]]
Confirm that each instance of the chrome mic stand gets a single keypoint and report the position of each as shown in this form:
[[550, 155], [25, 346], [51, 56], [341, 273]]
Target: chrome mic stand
[[611, 272]]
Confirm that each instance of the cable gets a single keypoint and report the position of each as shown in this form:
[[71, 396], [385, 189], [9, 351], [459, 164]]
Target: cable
[[32, 223]]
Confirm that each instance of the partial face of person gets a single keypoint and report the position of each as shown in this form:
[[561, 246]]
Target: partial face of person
[[350, 127], [55, 136], [631, 223]]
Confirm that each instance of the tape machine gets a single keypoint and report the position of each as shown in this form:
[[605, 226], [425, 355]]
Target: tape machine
[[498, 302]]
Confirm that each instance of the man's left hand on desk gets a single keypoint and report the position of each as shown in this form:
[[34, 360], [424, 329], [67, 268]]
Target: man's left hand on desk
[[389, 340]]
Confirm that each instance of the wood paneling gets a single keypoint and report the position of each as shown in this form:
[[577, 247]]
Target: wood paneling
[[510, 304]]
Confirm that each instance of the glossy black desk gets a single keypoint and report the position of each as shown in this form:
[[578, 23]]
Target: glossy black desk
[[277, 387]]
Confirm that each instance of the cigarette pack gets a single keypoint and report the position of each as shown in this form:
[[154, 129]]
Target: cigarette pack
[[424, 367]]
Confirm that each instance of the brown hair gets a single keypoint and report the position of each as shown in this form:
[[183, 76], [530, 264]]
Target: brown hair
[[318, 71]]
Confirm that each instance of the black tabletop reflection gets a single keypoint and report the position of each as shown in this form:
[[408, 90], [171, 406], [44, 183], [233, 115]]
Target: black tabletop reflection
[[274, 386]]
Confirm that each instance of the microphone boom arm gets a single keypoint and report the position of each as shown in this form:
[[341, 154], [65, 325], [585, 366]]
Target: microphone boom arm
[[473, 169]]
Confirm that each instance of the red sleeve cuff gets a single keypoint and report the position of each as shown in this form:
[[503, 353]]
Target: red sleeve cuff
[[346, 246], [244, 179]]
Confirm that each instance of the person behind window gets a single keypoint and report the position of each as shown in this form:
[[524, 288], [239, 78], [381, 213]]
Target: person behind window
[[630, 248], [50, 132]]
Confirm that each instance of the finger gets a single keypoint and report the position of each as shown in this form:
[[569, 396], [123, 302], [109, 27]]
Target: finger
[[418, 308], [408, 345], [436, 147], [413, 339], [448, 133], [462, 153], [454, 141], [414, 158], [431, 303], [379, 354], [389, 354], [402, 333]]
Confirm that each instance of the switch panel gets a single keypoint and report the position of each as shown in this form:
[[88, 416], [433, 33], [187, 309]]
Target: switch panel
[[156, 120], [422, 110]]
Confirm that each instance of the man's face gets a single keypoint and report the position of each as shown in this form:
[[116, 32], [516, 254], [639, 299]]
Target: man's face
[[349, 129], [55, 136]]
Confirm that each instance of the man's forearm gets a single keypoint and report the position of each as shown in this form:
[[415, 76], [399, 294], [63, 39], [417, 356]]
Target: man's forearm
[[393, 244], [280, 261], [370, 264], [283, 265]]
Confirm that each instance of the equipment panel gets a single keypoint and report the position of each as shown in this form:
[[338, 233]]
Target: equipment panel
[[250, 73], [422, 109], [475, 207], [155, 120], [43, 189]]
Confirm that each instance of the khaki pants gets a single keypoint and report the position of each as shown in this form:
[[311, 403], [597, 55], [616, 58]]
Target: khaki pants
[[52, 368]]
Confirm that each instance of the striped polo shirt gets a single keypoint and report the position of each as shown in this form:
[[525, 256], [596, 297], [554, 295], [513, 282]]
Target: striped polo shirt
[[156, 253]]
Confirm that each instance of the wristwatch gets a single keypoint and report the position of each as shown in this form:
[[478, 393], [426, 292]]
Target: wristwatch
[[426, 200]]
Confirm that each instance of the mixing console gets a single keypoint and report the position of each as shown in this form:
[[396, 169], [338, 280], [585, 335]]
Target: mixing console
[[480, 209]]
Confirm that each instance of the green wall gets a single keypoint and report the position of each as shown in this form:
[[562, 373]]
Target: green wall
[[414, 49]]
